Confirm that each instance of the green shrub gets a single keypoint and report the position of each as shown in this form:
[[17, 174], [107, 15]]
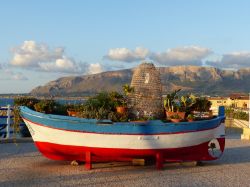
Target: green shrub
[[117, 99], [26, 101], [175, 116], [22, 101], [229, 112], [46, 106], [236, 114], [50, 106], [60, 109], [102, 106], [201, 104], [241, 115]]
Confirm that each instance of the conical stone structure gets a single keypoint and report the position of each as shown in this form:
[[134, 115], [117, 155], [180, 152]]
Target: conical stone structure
[[146, 101]]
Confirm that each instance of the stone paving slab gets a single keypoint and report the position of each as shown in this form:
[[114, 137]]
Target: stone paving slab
[[16, 140], [23, 165]]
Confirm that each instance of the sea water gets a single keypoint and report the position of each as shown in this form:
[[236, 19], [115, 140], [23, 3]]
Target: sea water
[[10, 101], [6, 101]]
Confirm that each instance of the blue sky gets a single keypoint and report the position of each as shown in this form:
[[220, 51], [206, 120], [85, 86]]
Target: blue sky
[[41, 41]]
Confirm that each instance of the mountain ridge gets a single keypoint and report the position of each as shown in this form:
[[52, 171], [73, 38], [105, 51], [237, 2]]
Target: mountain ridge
[[195, 79]]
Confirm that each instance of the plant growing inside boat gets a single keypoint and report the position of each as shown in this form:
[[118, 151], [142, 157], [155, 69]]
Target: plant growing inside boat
[[73, 109], [26, 101], [202, 106], [127, 89], [117, 98], [190, 117], [96, 106], [175, 118], [103, 106], [172, 105], [22, 101], [121, 100], [50, 106], [170, 101], [186, 103]]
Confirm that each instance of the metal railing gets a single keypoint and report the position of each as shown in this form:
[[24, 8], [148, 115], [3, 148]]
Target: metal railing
[[240, 123], [8, 118]]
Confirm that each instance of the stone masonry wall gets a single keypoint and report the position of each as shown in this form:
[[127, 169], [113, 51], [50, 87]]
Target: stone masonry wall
[[146, 101]]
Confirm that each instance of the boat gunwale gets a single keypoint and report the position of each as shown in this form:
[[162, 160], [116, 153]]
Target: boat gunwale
[[154, 127], [109, 122], [136, 134]]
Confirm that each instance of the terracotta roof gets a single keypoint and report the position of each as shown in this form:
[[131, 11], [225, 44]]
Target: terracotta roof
[[244, 98], [218, 98], [237, 95]]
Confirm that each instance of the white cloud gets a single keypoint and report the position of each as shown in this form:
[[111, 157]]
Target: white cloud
[[30, 54], [190, 55], [7, 74], [233, 60], [95, 68], [64, 65], [127, 55], [38, 56]]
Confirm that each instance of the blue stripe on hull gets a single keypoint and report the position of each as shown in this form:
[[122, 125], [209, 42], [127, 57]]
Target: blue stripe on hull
[[92, 126]]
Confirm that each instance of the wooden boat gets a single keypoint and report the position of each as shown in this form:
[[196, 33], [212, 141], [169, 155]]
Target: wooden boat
[[70, 138]]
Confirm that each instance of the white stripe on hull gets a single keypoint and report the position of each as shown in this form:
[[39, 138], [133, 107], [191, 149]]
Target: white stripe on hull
[[45, 134]]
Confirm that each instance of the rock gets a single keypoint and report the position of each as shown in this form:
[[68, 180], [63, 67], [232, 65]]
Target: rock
[[74, 163]]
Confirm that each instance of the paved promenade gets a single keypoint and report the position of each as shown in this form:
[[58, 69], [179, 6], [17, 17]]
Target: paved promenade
[[23, 165]]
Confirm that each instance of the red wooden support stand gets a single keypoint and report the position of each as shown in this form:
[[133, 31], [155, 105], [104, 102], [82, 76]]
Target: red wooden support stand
[[88, 164], [159, 161]]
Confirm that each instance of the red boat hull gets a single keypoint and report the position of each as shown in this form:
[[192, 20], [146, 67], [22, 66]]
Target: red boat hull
[[68, 152]]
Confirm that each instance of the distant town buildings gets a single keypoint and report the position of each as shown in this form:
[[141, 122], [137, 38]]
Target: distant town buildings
[[234, 100]]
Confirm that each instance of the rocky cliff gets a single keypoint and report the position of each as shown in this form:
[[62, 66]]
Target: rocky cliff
[[195, 79]]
